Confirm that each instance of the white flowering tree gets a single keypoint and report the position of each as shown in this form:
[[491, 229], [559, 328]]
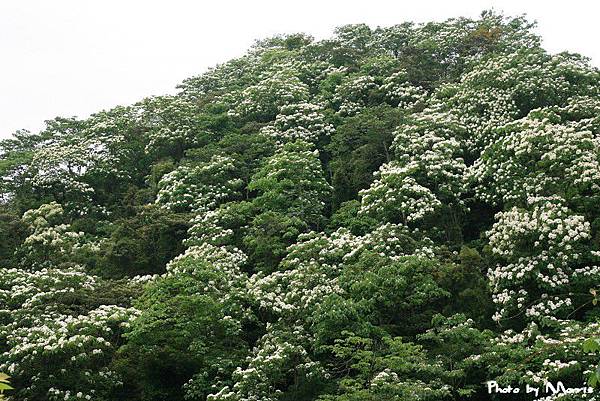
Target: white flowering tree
[[78, 156], [280, 357], [537, 157], [197, 310], [543, 360], [395, 196], [317, 293], [433, 144], [353, 94], [75, 352], [51, 240], [263, 100], [51, 326], [426, 178], [399, 92], [506, 87], [199, 188], [303, 121], [173, 124], [546, 261]]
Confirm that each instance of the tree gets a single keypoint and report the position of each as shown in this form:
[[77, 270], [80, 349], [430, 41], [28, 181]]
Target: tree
[[198, 188], [142, 244], [537, 157], [189, 336], [292, 182], [360, 145], [57, 324], [51, 241], [544, 261]]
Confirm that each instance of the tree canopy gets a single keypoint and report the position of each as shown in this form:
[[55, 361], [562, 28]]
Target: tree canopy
[[400, 213]]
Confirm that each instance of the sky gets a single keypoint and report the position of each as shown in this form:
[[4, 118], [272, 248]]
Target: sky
[[76, 57]]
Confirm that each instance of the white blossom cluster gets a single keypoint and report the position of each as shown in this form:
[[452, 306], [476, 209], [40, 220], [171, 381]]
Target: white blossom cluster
[[543, 250], [223, 259], [42, 332], [310, 270], [279, 354], [550, 357], [306, 275], [311, 73], [210, 228], [68, 162], [315, 72], [397, 196], [353, 93], [582, 113], [399, 92], [428, 170], [537, 158], [79, 344], [219, 268], [45, 322], [198, 188], [265, 98], [26, 291], [51, 241], [393, 241], [170, 121], [508, 86], [432, 150], [303, 121]]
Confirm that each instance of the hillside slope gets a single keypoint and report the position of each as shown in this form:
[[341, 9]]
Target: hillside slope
[[397, 213]]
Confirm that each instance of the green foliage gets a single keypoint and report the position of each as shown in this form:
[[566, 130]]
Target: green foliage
[[593, 345], [184, 342], [269, 236], [399, 295], [292, 182], [467, 283], [386, 368], [4, 384], [348, 215], [13, 231], [456, 344], [143, 243], [359, 146], [399, 213]]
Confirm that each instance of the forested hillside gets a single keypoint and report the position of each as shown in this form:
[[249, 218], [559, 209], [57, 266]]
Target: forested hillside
[[398, 213]]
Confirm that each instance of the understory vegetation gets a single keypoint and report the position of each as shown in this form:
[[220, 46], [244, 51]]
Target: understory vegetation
[[399, 213]]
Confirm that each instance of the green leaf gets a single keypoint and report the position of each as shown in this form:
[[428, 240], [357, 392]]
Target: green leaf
[[593, 380], [590, 345]]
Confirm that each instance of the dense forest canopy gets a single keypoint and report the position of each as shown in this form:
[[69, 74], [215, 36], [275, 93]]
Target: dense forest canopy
[[399, 213]]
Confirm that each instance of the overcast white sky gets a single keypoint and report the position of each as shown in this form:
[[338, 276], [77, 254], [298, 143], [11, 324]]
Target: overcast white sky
[[76, 57]]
